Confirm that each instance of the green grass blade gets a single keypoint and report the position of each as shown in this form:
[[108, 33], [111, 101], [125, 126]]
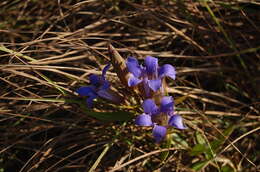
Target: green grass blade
[[4, 49], [94, 166]]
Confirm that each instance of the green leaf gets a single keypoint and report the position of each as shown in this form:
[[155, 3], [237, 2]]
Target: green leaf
[[164, 155], [199, 165], [211, 149], [108, 116], [216, 144], [200, 138], [202, 141], [104, 116], [111, 116], [199, 149], [227, 168], [178, 142]]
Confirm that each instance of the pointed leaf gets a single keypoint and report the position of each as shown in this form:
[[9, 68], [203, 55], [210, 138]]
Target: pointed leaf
[[199, 165], [108, 116], [180, 99], [199, 149]]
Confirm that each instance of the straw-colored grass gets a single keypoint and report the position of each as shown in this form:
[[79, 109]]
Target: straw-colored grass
[[48, 48]]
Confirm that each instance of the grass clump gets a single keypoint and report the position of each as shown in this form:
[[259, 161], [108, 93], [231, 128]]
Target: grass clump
[[49, 48]]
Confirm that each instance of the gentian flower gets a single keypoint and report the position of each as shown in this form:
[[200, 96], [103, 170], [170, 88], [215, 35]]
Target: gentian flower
[[99, 87], [160, 118], [150, 75]]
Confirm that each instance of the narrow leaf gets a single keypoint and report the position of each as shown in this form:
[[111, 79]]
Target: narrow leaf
[[3, 48], [199, 165], [108, 116], [180, 99]]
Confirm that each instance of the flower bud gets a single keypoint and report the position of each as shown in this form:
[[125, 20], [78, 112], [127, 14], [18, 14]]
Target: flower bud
[[119, 65]]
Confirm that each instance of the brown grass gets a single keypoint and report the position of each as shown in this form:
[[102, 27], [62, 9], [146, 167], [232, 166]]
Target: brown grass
[[48, 48]]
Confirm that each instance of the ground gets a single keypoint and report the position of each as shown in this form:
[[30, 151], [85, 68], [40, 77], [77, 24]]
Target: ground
[[49, 48]]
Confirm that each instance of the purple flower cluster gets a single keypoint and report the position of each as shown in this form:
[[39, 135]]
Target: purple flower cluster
[[99, 87], [149, 81], [158, 108], [149, 76]]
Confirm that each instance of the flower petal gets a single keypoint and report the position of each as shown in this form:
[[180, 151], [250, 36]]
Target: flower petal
[[105, 70], [104, 93], [133, 81], [159, 132], [149, 106], [167, 70], [94, 79], [144, 120], [90, 100], [166, 104], [155, 84], [105, 85], [85, 91], [176, 121], [133, 66], [151, 64]]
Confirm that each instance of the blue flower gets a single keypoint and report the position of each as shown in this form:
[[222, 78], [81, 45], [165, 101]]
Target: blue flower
[[99, 87], [160, 117], [151, 75]]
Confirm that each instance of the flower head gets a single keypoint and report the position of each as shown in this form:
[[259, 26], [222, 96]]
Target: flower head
[[160, 118], [150, 75], [99, 87]]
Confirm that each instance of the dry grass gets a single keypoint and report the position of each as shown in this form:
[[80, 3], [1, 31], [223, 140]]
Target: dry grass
[[47, 49]]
